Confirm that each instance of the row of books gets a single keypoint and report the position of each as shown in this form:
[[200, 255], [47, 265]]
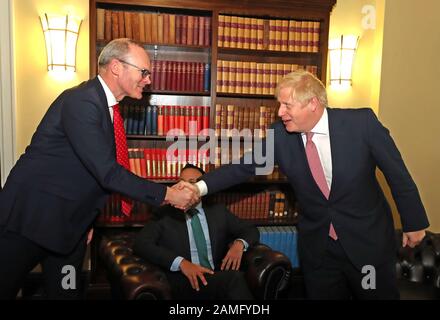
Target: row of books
[[229, 117], [161, 163], [153, 28], [254, 77], [159, 119], [269, 204], [164, 161], [180, 76], [268, 34], [283, 239]]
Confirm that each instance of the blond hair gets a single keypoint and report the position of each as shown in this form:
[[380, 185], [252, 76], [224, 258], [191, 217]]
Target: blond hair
[[304, 87]]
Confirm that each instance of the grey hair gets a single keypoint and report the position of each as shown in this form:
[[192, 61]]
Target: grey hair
[[116, 49]]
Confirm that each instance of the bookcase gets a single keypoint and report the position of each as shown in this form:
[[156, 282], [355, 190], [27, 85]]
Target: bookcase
[[215, 65]]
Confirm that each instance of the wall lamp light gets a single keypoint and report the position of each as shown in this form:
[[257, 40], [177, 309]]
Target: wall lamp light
[[61, 36]]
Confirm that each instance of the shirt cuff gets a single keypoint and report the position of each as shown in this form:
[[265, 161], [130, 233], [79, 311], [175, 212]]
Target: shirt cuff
[[175, 266], [245, 244], [203, 188]]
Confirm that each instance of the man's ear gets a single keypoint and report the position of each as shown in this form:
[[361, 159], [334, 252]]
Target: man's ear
[[314, 103], [115, 67]]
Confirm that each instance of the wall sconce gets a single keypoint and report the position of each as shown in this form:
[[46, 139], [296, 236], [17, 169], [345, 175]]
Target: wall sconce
[[61, 35], [341, 51]]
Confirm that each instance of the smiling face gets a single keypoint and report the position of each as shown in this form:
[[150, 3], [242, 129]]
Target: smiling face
[[297, 116], [130, 80]]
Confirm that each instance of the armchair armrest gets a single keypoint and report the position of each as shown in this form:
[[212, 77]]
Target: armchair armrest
[[130, 276], [267, 271]]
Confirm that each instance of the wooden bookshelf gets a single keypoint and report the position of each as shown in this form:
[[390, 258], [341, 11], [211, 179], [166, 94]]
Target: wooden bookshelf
[[210, 53]]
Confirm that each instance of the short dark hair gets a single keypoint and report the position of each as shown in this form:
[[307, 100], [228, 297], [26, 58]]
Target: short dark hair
[[191, 166]]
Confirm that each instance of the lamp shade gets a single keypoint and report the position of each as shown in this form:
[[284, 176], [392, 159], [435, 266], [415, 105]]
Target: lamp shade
[[342, 51], [61, 36]]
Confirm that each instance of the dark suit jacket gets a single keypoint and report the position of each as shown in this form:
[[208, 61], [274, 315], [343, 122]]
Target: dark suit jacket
[[357, 206], [166, 236], [67, 172]]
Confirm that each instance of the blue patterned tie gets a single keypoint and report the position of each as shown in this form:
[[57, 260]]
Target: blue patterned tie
[[199, 238]]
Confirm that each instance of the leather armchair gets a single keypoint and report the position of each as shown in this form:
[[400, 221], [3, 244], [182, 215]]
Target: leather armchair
[[418, 269], [267, 272]]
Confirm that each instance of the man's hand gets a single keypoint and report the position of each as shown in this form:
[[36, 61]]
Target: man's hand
[[232, 260], [412, 238], [183, 195], [194, 272]]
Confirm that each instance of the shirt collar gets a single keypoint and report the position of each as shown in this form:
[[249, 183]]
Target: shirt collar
[[199, 208], [111, 100]]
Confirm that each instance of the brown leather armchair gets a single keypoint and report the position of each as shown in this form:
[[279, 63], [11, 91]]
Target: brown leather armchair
[[267, 271]]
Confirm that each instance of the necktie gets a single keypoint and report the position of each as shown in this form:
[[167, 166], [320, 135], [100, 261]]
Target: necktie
[[121, 152], [318, 173], [199, 238]]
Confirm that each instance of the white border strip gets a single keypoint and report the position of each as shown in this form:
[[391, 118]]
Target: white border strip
[[7, 97]]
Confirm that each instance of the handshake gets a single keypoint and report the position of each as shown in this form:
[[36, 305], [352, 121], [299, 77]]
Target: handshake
[[183, 195]]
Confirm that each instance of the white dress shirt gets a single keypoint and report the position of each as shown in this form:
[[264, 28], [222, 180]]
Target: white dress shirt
[[321, 139], [111, 100]]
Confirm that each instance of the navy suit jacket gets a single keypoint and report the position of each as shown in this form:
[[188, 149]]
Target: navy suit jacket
[[66, 173], [356, 206], [166, 236]]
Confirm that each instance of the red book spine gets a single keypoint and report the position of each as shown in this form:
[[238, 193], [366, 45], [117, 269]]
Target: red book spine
[[200, 76], [178, 29], [173, 75], [168, 72], [201, 38], [193, 74], [181, 118], [187, 76], [179, 76], [193, 121], [154, 75], [186, 119], [199, 117], [205, 117], [160, 120], [184, 29], [171, 117], [207, 31], [147, 161], [163, 69]]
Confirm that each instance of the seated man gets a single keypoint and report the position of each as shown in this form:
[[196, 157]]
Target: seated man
[[191, 246]]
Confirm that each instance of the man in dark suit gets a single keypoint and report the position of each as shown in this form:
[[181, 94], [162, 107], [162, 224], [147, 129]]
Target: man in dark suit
[[52, 194], [346, 235], [170, 241]]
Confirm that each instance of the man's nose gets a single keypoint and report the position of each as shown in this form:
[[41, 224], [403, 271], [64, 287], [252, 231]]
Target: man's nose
[[281, 111]]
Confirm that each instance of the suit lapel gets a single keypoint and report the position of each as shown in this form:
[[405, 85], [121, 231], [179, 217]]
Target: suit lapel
[[337, 143]]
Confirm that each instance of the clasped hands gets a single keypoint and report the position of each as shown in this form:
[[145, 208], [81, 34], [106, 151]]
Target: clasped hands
[[183, 195]]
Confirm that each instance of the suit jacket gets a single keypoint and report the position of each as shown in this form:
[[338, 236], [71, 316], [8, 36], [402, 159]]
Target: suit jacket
[[356, 206], [166, 236], [68, 170]]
